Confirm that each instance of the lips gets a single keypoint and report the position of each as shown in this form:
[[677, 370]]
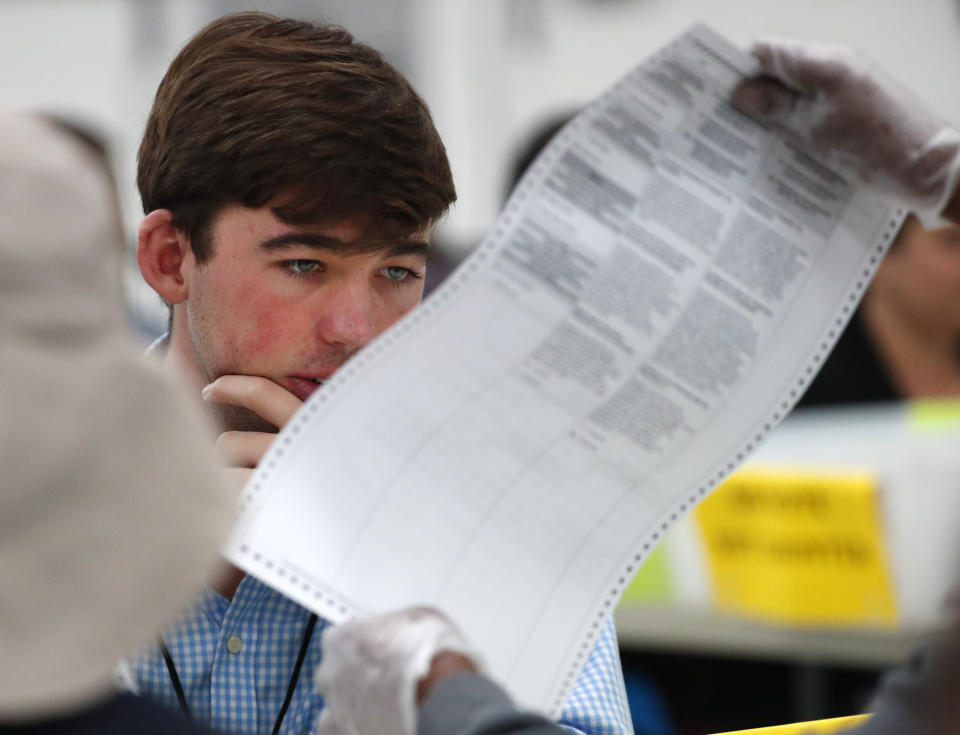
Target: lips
[[300, 386]]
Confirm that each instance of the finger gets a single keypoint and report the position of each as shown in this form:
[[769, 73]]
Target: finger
[[806, 66], [771, 103], [243, 448], [260, 395], [762, 51]]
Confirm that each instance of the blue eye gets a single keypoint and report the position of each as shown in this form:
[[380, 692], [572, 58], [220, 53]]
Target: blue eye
[[302, 267], [397, 273]]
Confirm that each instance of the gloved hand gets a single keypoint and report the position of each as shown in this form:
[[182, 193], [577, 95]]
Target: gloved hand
[[859, 119], [371, 667]]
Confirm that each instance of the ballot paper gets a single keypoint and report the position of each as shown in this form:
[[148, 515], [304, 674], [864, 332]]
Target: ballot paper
[[654, 298]]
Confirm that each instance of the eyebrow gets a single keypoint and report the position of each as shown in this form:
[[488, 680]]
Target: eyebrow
[[325, 242]]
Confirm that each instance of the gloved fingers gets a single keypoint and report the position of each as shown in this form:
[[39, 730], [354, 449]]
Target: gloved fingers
[[861, 121], [853, 115], [771, 103], [936, 172], [803, 85], [765, 99], [371, 666], [809, 66], [406, 636], [330, 724]]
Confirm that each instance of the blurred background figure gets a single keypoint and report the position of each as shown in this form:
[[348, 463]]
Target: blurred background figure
[[108, 523], [904, 340]]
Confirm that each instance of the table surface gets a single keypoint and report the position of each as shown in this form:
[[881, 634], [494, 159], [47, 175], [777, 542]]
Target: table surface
[[693, 630]]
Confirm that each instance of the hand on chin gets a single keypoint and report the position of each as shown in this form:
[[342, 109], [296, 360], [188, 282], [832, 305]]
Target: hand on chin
[[253, 409]]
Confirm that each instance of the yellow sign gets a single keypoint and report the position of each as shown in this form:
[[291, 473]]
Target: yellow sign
[[798, 547], [652, 583], [820, 727]]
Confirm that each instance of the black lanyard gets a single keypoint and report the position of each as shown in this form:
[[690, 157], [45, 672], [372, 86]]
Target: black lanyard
[[182, 699]]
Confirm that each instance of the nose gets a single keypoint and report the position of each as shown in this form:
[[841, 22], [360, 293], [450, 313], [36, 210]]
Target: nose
[[347, 314]]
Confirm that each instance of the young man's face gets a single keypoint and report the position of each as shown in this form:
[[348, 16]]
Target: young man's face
[[275, 300]]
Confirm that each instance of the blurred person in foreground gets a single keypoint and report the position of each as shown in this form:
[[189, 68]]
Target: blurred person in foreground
[[290, 178], [112, 510], [102, 537], [866, 125]]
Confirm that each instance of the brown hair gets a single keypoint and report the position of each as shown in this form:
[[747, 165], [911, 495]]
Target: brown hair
[[259, 110]]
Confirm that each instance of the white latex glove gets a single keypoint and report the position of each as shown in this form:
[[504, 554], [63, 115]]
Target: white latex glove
[[861, 120], [371, 666]]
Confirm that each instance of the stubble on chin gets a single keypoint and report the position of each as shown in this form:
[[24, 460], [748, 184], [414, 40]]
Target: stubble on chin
[[227, 417], [237, 418]]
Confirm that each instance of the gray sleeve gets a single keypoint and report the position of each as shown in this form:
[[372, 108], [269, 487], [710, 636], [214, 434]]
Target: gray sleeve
[[470, 704], [920, 696]]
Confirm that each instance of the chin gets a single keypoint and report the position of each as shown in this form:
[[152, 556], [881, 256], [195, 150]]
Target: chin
[[235, 418]]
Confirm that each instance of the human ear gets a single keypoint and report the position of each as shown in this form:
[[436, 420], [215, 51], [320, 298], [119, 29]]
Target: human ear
[[162, 252]]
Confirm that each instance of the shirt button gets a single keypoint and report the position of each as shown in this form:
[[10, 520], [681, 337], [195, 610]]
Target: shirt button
[[234, 644]]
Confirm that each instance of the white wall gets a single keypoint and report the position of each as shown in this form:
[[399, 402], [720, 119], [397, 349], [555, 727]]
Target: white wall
[[490, 69], [100, 61], [493, 68]]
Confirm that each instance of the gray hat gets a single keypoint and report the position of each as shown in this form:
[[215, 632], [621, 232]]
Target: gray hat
[[111, 509]]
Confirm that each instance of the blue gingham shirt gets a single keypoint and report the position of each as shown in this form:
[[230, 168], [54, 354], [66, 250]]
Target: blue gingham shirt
[[241, 692]]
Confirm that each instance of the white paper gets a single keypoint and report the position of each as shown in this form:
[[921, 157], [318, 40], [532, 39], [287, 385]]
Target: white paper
[[653, 300]]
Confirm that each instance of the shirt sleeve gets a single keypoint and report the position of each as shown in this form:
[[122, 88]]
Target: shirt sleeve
[[919, 696], [470, 704], [598, 703]]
